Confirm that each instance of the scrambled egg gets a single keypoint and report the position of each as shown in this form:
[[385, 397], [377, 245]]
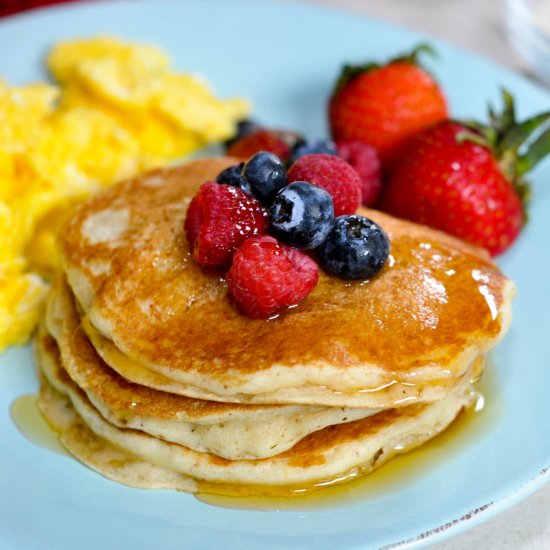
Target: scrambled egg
[[116, 109]]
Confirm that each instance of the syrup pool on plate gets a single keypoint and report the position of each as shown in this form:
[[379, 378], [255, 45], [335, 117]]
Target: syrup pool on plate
[[398, 473], [30, 422]]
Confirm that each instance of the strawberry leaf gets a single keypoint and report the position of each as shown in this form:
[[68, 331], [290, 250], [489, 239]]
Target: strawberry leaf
[[535, 152], [520, 133], [414, 55], [349, 72]]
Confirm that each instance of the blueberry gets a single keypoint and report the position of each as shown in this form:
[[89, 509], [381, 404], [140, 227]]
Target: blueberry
[[313, 147], [302, 215], [265, 174], [244, 128], [233, 176], [356, 248]]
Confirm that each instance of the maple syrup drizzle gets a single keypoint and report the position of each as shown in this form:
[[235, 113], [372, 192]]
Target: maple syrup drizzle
[[30, 422], [401, 471]]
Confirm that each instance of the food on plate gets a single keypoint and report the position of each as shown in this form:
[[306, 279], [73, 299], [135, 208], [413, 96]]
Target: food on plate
[[468, 179], [228, 430], [462, 177], [117, 108], [267, 277], [255, 139], [333, 174], [366, 162], [219, 219], [305, 147], [302, 215], [153, 375], [266, 176], [139, 459], [383, 105]]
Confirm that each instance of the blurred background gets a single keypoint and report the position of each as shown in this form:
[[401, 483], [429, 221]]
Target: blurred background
[[514, 33]]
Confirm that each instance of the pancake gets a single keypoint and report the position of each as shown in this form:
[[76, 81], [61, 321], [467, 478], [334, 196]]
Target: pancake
[[390, 395], [138, 459], [231, 431], [412, 333]]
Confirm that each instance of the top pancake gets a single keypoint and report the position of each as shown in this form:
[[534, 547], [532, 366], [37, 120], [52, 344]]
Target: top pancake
[[434, 308]]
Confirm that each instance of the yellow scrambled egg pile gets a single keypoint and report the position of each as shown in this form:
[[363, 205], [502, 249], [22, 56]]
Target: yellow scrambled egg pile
[[116, 109]]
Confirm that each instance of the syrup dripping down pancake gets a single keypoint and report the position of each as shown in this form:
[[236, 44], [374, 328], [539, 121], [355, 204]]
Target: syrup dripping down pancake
[[228, 430], [139, 459]]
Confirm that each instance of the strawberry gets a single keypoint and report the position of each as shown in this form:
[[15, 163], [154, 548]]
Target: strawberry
[[278, 142], [467, 179], [384, 105]]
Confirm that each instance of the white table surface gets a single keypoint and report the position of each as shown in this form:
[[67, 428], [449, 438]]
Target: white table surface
[[476, 25]]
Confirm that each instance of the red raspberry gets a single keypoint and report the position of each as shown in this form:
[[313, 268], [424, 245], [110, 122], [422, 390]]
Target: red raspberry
[[219, 219], [334, 175], [278, 142], [366, 162], [267, 276]]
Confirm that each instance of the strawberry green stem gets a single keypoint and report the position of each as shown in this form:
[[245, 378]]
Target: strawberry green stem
[[349, 72], [537, 150]]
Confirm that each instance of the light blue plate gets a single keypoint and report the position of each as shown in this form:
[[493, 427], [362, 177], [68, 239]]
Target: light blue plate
[[285, 58]]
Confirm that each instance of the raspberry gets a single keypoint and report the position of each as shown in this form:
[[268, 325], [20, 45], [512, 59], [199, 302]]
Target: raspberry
[[334, 175], [219, 219], [366, 162], [278, 142], [267, 276]]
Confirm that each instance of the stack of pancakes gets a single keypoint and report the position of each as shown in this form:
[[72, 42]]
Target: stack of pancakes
[[153, 377]]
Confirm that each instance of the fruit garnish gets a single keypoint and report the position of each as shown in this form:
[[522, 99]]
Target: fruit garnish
[[226, 226], [267, 277], [312, 147], [233, 175], [356, 248], [278, 142], [266, 174], [244, 128], [383, 105], [334, 175], [219, 219], [302, 215], [366, 162], [468, 179]]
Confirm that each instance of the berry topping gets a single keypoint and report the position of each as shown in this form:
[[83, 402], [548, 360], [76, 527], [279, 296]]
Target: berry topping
[[356, 248], [302, 215], [468, 179], [265, 174], [334, 175], [277, 142], [219, 219], [232, 175], [384, 105], [314, 147], [244, 128], [366, 162], [267, 276]]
